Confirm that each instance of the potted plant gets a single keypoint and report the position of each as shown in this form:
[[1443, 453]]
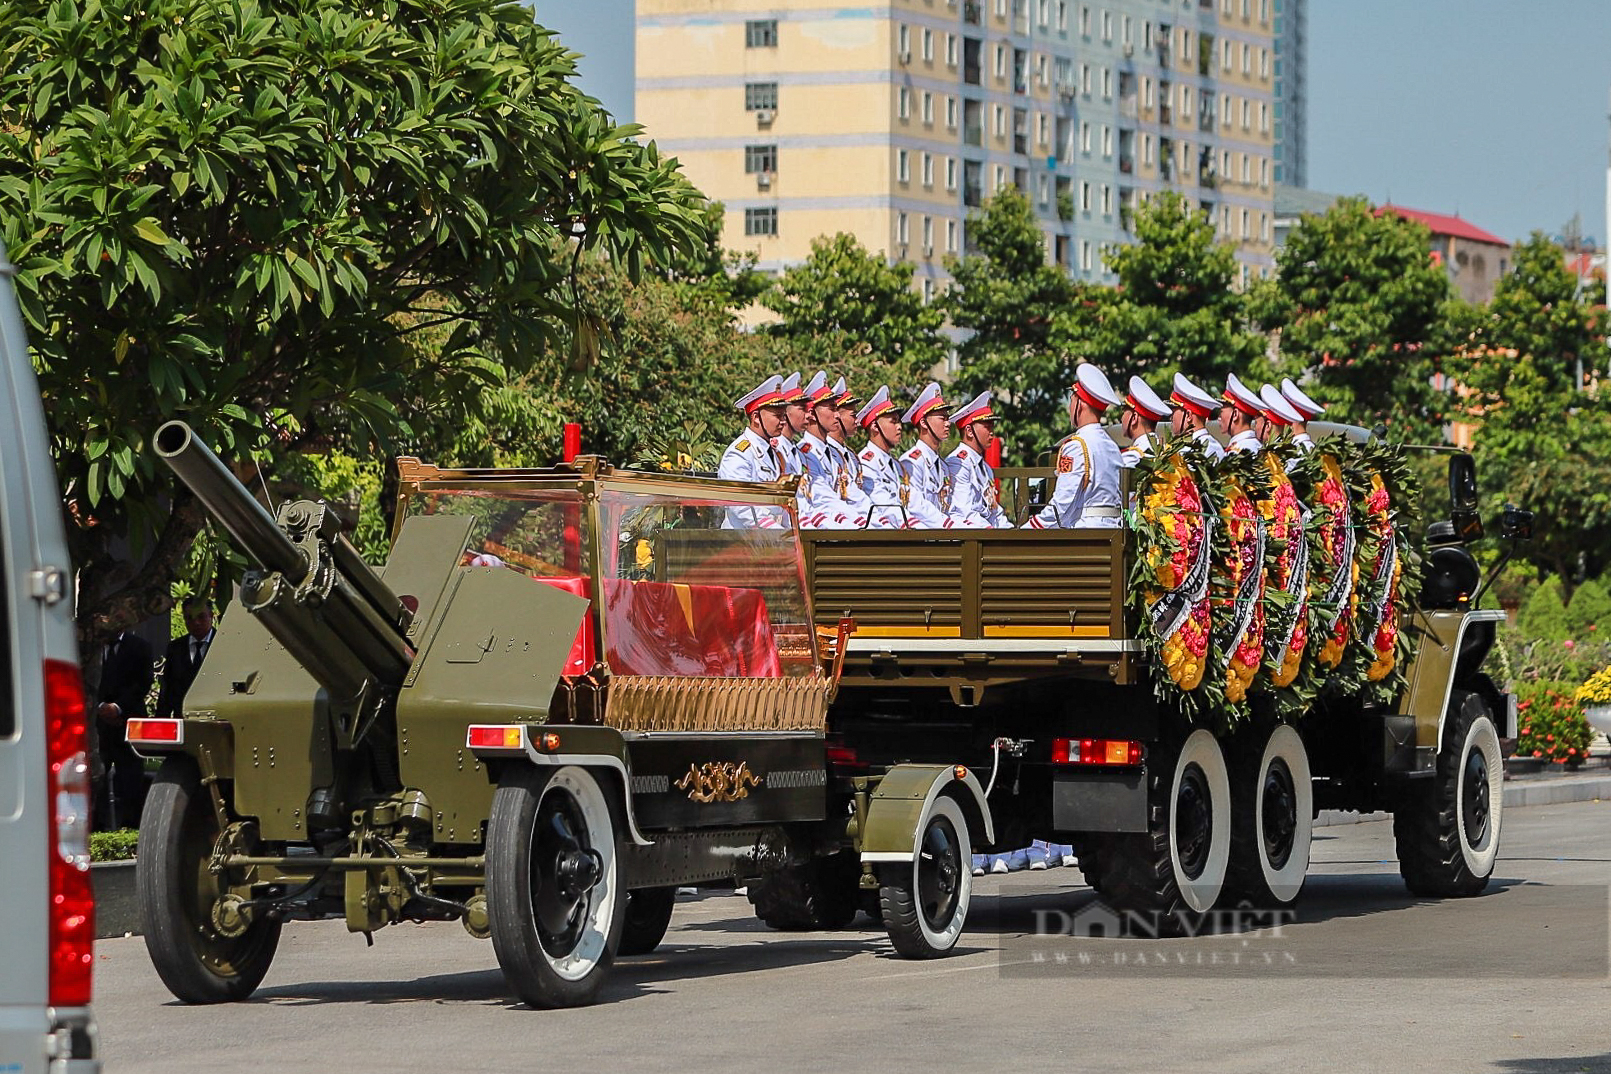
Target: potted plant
[[1595, 697], [1553, 729]]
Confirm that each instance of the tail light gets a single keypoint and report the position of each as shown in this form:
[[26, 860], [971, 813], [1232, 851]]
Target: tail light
[[72, 903], [148, 732], [1105, 751], [502, 738]]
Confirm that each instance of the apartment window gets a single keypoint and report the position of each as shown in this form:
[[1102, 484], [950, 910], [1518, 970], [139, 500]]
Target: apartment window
[[951, 50], [1185, 100], [1246, 231], [928, 291], [901, 233], [903, 167], [951, 236], [1001, 9], [1062, 16], [1225, 219], [1085, 197], [1001, 178], [950, 173], [1001, 61], [1043, 9], [760, 158], [1264, 171], [1042, 132], [1107, 140], [1225, 55], [1043, 190], [1247, 9], [1085, 19], [1247, 59], [1085, 78], [928, 169], [928, 108], [1041, 70], [903, 103], [1146, 149], [1107, 83], [1001, 121], [760, 95], [761, 33], [1085, 137], [1225, 110], [1246, 111], [1107, 199], [1264, 63], [1264, 117], [1085, 255], [928, 45], [1146, 93], [903, 41], [1264, 227], [1107, 25], [1247, 168], [1225, 163], [951, 112], [761, 221], [1264, 10], [1127, 34], [928, 233]]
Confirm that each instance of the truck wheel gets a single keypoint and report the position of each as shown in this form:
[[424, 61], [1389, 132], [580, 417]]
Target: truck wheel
[[924, 904], [648, 915], [1175, 871], [1447, 828], [822, 894], [1272, 819], [177, 892], [554, 895]]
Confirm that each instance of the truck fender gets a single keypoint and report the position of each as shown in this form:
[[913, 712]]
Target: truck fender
[[903, 798], [600, 749], [1431, 675]]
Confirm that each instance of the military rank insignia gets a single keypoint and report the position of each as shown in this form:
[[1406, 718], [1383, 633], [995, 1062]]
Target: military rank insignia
[[1065, 464], [743, 445]]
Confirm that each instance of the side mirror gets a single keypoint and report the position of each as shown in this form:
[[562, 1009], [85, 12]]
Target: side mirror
[[1516, 524]]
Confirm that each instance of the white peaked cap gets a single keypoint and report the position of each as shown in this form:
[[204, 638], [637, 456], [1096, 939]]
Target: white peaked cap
[[928, 400], [874, 406], [817, 390], [1146, 401], [1192, 397], [1300, 402], [791, 388], [1276, 408], [1092, 384], [974, 409], [840, 387], [768, 391], [1242, 397]]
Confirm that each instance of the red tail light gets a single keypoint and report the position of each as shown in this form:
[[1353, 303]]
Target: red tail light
[[72, 903], [1108, 751]]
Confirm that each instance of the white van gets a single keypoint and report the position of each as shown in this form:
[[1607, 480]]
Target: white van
[[46, 940]]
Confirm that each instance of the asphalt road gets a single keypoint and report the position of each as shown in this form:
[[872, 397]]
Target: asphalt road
[[1364, 979]]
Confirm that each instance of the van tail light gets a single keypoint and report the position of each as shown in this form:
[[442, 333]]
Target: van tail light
[[72, 903], [1103, 751]]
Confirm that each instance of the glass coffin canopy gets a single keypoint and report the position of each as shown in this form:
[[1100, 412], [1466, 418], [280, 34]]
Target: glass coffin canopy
[[685, 590]]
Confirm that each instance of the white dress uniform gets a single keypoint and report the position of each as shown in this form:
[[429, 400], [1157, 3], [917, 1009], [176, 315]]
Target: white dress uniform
[[975, 504], [1244, 442], [1139, 449], [883, 483], [1145, 402], [1199, 403], [750, 458], [1086, 495], [822, 506], [927, 497]]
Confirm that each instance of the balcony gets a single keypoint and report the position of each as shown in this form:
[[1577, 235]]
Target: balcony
[[1127, 165], [1127, 106], [1020, 142], [970, 73], [1205, 121], [972, 195], [973, 12], [1166, 114], [973, 134]]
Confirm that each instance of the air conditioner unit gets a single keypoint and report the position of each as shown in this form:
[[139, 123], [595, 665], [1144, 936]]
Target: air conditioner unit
[[763, 180], [763, 117], [905, 56]]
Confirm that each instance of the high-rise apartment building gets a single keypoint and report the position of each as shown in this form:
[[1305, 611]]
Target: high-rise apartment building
[[892, 121], [1291, 93]]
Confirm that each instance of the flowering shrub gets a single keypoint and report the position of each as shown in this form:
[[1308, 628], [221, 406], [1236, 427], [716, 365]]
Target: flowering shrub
[[1597, 691], [1552, 725]]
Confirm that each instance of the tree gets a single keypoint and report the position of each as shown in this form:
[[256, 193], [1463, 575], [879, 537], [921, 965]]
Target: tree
[[1544, 614], [1588, 616], [297, 226], [843, 300], [1005, 294], [1536, 310], [1175, 309], [1358, 298]]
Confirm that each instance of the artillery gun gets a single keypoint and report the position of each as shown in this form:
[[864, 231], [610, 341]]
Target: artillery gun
[[568, 692]]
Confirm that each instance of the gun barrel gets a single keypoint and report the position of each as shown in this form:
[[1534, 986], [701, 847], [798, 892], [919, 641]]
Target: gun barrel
[[253, 528]]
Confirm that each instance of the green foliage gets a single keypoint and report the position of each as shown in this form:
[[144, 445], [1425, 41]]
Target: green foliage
[[844, 301], [1551, 723], [1589, 613], [118, 845], [1544, 614], [297, 226], [1358, 300]]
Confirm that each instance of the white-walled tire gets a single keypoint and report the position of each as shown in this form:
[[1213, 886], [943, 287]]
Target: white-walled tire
[[924, 903], [1272, 819], [554, 895], [1447, 828]]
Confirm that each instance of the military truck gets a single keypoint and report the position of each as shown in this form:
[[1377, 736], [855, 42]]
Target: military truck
[[1015, 651], [567, 692]]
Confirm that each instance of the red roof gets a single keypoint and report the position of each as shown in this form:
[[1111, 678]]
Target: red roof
[[1446, 225]]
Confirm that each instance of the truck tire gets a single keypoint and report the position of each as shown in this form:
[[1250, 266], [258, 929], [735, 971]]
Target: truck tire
[[177, 893], [924, 903], [1447, 827], [820, 895], [1173, 873], [554, 897], [1272, 819], [648, 915]]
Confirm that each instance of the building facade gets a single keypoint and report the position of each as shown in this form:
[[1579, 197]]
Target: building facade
[[892, 121], [1291, 31]]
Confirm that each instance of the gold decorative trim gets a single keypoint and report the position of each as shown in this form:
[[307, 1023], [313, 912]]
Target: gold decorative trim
[[671, 703], [718, 781]]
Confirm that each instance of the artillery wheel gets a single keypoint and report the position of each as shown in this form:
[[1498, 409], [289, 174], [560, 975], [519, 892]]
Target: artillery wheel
[[178, 894], [553, 884], [1272, 818], [925, 903], [1175, 870], [1447, 827], [648, 915], [823, 893]]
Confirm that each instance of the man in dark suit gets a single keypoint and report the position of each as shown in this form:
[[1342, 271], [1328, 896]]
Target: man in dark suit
[[126, 676], [184, 656]]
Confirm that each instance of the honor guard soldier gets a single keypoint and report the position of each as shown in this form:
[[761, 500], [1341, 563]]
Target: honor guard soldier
[[1237, 418], [883, 480], [822, 505], [1307, 409], [751, 456], [843, 427], [794, 420], [1278, 415], [974, 500], [924, 466], [1194, 409], [1143, 410], [1086, 495]]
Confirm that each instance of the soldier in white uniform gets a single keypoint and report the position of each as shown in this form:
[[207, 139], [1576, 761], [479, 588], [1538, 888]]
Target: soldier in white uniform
[[1086, 495], [822, 504], [1278, 416], [751, 456], [1307, 409], [1236, 419], [794, 419], [1139, 419], [1194, 410], [882, 479], [927, 496], [843, 405], [975, 502]]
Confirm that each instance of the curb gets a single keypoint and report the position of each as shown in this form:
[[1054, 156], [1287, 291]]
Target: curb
[[1518, 794], [117, 906]]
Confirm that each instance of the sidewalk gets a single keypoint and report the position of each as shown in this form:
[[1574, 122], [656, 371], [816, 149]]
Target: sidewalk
[[1548, 787]]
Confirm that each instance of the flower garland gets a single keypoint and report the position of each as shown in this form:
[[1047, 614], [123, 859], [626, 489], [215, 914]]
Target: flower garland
[[1385, 507], [1288, 610], [1239, 579], [1332, 556]]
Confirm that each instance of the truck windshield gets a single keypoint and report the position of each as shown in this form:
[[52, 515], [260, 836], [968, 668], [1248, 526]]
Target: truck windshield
[[538, 532], [688, 594]]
